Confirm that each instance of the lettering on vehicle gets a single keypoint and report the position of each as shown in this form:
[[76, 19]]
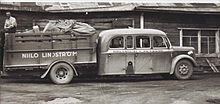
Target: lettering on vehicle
[[48, 54]]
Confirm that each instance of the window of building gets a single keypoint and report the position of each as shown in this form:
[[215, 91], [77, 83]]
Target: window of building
[[117, 42], [208, 42], [204, 40], [190, 38], [158, 41], [129, 42], [142, 42]]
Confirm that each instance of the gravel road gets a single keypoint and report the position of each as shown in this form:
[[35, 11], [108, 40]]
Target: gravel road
[[202, 89]]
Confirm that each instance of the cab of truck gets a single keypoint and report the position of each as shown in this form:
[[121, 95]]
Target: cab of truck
[[142, 51]]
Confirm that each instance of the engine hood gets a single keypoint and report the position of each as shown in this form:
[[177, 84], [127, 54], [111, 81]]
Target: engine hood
[[178, 48]]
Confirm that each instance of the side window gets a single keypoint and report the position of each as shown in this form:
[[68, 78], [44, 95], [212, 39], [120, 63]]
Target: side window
[[158, 41], [117, 42], [142, 42], [129, 42]]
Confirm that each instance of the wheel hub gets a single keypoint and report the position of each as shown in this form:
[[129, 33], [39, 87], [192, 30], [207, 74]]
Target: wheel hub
[[61, 73], [183, 69]]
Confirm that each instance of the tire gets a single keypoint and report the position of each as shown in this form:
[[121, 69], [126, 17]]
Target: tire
[[183, 70], [61, 73]]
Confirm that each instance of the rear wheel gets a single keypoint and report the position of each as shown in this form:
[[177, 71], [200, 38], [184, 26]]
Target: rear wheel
[[61, 73], [183, 70]]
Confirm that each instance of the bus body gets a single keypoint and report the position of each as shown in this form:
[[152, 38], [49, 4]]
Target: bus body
[[114, 52]]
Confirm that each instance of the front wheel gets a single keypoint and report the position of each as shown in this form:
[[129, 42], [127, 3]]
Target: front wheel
[[183, 70], [61, 73]]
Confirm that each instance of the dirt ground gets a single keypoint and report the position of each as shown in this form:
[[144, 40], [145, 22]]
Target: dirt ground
[[202, 89]]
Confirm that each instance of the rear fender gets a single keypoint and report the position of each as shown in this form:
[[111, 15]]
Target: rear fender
[[55, 62], [180, 57]]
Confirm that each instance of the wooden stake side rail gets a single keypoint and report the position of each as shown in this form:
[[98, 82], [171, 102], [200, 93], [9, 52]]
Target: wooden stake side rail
[[49, 34], [39, 37], [49, 39]]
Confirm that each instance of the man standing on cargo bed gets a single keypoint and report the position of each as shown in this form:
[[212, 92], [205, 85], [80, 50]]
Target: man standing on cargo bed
[[10, 24], [9, 27]]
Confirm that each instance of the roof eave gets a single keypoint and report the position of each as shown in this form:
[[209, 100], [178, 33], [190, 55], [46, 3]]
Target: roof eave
[[178, 10], [123, 8], [83, 11]]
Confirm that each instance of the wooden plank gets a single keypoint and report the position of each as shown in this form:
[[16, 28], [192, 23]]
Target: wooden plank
[[181, 38], [122, 23], [216, 70], [209, 63], [49, 34], [199, 28], [48, 39], [142, 20], [217, 40], [29, 45], [103, 20], [213, 67], [103, 26], [50, 50], [199, 42]]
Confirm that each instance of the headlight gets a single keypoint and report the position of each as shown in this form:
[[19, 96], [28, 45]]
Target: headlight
[[190, 52]]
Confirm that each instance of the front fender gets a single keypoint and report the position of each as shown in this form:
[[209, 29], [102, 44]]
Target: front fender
[[180, 57]]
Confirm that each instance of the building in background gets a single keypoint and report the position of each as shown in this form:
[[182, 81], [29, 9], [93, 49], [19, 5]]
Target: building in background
[[187, 24], [24, 12]]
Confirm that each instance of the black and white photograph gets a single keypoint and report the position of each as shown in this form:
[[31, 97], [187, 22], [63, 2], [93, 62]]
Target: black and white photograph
[[110, 52]]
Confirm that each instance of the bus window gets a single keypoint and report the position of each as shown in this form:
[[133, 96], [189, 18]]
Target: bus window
[[142, 42], [158, 41], [129, 42], [117, 42]]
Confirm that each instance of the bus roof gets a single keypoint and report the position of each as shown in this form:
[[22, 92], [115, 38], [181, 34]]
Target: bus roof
[[108, 34], [132, 31]]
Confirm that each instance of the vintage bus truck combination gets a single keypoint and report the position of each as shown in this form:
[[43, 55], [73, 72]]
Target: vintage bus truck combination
[[63, 57]]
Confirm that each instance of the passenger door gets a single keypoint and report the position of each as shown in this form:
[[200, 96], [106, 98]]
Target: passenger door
[[143, 58], [116, 57], [161, 54]]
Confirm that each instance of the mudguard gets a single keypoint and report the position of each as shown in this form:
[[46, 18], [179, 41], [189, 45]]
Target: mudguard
[[180, 57], [55, 62]]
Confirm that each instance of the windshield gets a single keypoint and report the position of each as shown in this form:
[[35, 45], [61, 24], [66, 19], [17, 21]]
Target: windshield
[[167, 42]]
